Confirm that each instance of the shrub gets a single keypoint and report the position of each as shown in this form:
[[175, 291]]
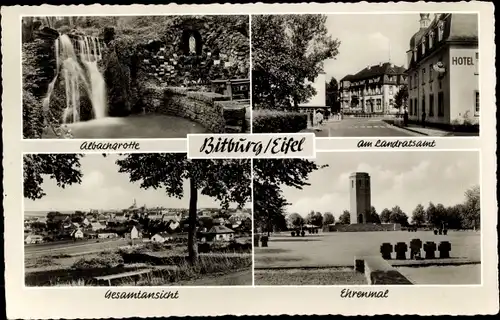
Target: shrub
[[104, 260], [271, 121]]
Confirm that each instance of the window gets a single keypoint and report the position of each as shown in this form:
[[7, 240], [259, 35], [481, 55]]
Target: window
[[391, 102], [440, 30], [430, 73], [415, 107], [423, 45], [441, 104], [391, 90], [431, 39], [476, 111], [477, 63], [431, 105], [415, 53], [423, 103], [379, 104], [411, 107], [390, 78], [423, 75]]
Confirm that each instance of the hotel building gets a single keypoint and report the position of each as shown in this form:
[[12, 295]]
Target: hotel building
[[443, 73], [372, 89]]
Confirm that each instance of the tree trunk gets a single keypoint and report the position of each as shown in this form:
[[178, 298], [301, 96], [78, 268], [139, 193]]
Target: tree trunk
[[192, 243]]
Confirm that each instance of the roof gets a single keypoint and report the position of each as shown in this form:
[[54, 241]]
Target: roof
[[220, 229], [457, 27], [163, 235], [386, 68]]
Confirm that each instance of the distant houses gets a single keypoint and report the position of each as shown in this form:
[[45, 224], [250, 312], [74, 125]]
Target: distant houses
[[161, 237], [159, 224]]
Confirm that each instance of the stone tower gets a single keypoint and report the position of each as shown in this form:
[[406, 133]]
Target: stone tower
[[360, 197]]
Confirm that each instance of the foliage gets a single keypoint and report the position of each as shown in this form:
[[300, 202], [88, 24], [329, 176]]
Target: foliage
[[471, 209], [267, 121], [328, 218], [401, 97], [287, 51], [315, 218], [418, 215], [398, 216], [104, 260], [268, 176], [64, 168], [345, 217], [332, 95], [296, 220], [385, 215], [373, 216], [226, 180]]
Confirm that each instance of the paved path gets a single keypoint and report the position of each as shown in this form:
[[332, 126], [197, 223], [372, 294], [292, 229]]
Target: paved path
[[362, 127]]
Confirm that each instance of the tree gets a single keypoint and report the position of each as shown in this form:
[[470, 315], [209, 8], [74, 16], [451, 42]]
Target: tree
[[287, 51], [315, 218], [268, 177], [296, 220], [401, 97], [328, 218], [227, 180], [345, 217], [385, 215], [431, 216], [398, 216], [63, 168], [332, 95], [373, 216], [471, 208], [418, 215]]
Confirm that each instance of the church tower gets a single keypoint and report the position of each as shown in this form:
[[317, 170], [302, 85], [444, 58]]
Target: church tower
[[425, 20], [360, 197]]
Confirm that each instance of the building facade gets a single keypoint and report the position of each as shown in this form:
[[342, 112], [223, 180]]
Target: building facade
[[372, 90], [360, 197], [443, 70]]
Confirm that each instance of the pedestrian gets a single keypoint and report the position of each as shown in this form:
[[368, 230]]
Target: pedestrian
[[405, 117], [423, 119], [319, 118]]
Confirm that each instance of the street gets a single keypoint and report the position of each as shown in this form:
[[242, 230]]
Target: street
[[361, 127], [66, 247]]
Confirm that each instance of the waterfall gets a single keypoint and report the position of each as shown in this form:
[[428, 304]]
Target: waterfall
[[79, 73]]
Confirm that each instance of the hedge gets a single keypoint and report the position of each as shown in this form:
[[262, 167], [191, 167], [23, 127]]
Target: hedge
[[271, 121]]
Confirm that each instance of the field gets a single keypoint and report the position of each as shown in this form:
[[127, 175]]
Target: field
[[287, 257], [77, 263]]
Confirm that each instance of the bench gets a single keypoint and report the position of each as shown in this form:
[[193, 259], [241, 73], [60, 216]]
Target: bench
[[130, 274]]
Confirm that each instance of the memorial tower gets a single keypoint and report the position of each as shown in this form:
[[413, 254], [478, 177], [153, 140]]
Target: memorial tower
[[360, 197]]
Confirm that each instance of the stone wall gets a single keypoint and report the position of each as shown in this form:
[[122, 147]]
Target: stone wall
[[379, 272], [221, 51], [212, 110]]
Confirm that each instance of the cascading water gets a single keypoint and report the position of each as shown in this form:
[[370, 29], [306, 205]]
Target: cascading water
[[79, 76]]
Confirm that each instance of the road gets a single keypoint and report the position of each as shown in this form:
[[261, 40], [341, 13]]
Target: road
[[362, 127], [71, 248]]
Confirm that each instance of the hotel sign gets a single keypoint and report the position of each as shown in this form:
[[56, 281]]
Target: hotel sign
[[462, 61]]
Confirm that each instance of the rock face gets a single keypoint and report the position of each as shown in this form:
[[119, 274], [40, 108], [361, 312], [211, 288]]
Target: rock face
[[197, 50], [118, 80]]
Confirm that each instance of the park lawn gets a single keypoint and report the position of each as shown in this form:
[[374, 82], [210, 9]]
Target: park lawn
[[335, 249], [294, 277]]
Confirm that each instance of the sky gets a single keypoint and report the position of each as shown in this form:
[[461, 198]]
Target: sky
[[103, 187], [397, 178], [366, 38]]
